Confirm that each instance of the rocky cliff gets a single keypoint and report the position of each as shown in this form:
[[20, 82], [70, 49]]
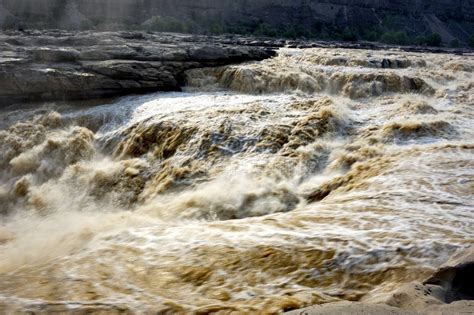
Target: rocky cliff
[[452, 19], [59, 65]]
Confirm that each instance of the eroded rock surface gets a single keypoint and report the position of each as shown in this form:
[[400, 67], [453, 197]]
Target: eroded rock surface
[[455, 277], [448, 291], [49, 65], [351, 308]]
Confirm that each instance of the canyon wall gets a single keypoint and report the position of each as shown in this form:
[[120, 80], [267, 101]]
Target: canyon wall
[[449, 18]]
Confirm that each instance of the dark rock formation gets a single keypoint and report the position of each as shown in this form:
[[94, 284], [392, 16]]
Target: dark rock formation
[[456, 277], [449, 18], [40, 66]]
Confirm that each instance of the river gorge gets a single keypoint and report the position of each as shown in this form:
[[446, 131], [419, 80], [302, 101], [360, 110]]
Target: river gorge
[[318, 175]]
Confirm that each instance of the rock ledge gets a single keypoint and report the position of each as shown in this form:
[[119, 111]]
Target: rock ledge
[[60, 65]]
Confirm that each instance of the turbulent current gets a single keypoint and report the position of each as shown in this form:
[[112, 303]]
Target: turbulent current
[[319, 175]]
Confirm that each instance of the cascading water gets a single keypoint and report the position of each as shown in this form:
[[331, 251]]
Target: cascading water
[[319, 175]]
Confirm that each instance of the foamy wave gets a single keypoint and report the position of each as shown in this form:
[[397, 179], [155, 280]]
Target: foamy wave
[[357, 178]]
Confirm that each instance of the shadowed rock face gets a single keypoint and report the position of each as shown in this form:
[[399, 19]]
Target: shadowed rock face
[[418, 17], [41, 66], [455, 277]]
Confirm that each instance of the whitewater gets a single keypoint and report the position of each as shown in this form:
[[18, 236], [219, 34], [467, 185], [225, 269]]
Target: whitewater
[[316, 176]]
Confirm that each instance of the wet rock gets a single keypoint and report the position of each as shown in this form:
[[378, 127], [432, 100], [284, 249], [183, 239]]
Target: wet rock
[[350, 308], [456, 277], [55, 55], [449, 290], [456, 308], [58, 65]]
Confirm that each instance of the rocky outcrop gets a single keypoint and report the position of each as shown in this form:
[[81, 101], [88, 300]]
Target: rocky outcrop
[[41, 66], [450, 290], [67, 65], [456, 277], [450, 18]]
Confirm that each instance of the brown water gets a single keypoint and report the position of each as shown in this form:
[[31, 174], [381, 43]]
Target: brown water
[[316, 176]]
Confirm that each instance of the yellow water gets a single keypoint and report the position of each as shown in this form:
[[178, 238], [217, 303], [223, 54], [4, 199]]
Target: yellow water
[[312, 177]]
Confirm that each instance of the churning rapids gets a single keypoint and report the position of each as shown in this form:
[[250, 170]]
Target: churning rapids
[[319, 175]]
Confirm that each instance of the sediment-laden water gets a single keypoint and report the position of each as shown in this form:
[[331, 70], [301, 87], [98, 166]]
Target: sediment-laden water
[[317, 176]]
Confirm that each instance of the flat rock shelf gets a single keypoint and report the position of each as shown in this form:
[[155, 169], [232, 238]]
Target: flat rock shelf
[[58, 65]]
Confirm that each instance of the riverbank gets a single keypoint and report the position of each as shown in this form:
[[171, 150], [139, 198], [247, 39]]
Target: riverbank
[[448, 291], [60, 65]]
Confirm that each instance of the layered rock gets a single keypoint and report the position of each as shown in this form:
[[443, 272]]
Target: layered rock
[[41, 66], [68, 65]]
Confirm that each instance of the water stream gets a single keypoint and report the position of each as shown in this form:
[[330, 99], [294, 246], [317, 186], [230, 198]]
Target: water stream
[[317, 176]]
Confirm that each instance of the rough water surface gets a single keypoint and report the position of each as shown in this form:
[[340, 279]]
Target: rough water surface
[[316, 176]]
